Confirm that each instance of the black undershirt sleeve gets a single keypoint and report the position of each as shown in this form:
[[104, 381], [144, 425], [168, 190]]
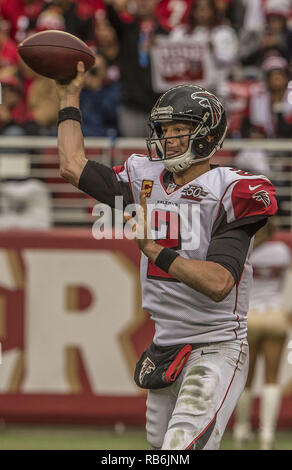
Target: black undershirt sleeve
[[229, 247], [101, 183]]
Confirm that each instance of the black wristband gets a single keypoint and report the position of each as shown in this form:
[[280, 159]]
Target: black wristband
[[69, 113], [165, 259]]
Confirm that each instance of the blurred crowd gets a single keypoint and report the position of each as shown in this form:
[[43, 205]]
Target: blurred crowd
[[240, 49]]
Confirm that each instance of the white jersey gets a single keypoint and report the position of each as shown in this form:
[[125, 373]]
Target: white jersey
[[184, 219], [270, 262]]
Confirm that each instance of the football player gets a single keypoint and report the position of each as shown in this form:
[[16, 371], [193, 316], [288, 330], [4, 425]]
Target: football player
[[268, 324], [195, 269]]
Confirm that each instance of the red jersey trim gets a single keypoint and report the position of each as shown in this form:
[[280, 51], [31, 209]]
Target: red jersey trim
[[221, 200], [118, 169]]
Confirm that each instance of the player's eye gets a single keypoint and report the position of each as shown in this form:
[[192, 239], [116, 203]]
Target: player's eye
[[181, 130], [164, 130], [172, 131]]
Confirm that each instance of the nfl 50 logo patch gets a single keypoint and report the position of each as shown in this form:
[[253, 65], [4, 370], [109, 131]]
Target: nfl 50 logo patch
[[147, 186], [194, 193]]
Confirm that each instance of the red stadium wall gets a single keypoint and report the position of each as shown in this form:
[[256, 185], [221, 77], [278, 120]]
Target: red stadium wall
[[72, 328]]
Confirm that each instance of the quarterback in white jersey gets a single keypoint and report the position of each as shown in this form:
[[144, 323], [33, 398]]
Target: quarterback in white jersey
[[214, 202], [195, 273]]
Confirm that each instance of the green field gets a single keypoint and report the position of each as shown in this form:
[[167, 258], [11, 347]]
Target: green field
[[91, 438]]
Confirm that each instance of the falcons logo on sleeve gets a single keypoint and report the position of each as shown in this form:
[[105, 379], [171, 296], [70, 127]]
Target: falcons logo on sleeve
[[262, 196]]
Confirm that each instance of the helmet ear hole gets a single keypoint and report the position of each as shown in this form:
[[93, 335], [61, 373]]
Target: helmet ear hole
[[201, 147]]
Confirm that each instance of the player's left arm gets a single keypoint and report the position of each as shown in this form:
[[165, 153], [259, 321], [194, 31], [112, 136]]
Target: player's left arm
[[207, 277]]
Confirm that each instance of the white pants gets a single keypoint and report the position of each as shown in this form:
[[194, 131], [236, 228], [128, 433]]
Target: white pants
[[193, 412]]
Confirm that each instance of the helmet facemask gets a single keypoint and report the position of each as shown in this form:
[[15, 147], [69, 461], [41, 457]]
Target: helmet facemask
[[159, 147]]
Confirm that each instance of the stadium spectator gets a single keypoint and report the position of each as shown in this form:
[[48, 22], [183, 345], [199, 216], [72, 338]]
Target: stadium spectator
[[276, 105], [95, 4], [14, 117], [107, 44], [77, 17], [267, 332], [136, 38], [218, 42], [236, 94], [50, 18], [270, 114], [21, 16], [99, 101], [170, 14], [270, 108], [24, 204], [231, 12], [27, 77], [42, 104], [8, 49], [256, 43]]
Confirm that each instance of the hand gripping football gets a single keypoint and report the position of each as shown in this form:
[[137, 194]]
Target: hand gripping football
[[54, 54]]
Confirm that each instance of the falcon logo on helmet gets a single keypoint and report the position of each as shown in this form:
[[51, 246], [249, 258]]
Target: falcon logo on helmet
[[211, 102], [206, 128]]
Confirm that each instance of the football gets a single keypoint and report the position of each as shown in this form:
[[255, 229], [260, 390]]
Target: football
[[54, 54]]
